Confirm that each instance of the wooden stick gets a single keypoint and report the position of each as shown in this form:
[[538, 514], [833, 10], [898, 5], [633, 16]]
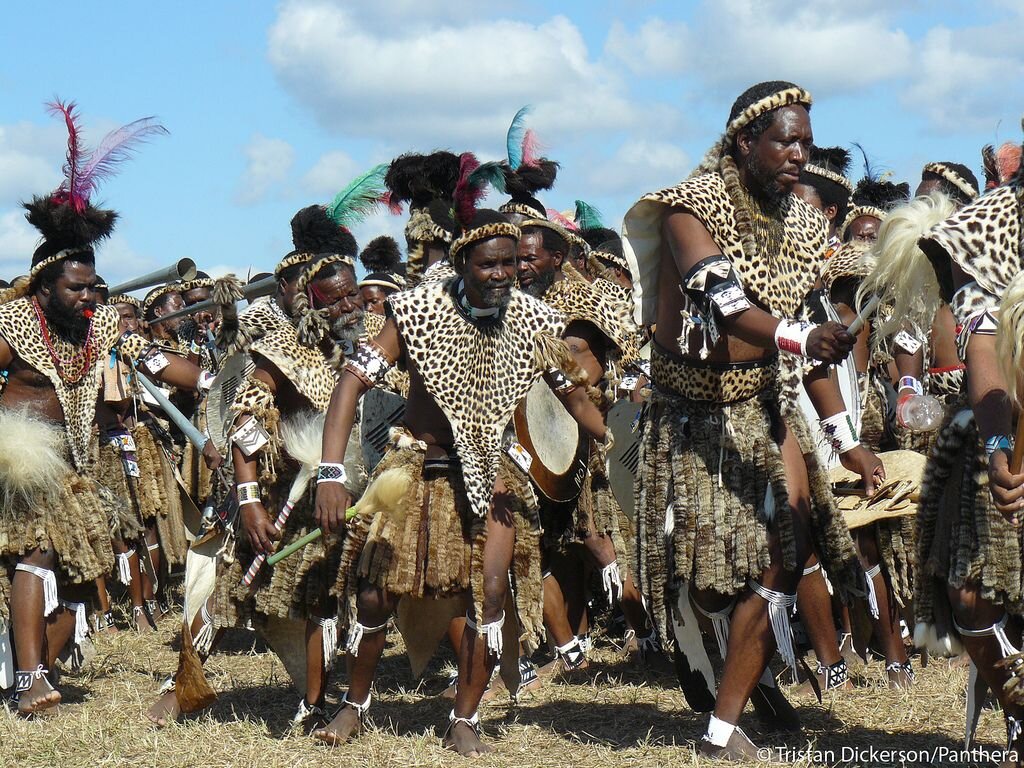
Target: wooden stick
[[309, 538], [862, 317], [1018, 447]]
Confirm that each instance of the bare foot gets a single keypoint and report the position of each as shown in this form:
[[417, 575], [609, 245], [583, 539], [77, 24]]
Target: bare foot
[[346, 725], [41, 696], [141, 621], [166, 710], [463, 739], [899, 677]]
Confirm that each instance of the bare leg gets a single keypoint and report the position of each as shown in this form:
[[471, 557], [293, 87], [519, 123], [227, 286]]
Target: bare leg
[[123, 550], [971, 611], [815, 604], [29, 626], [476, 660], [751, 640], [374, 607], [602, 551], [149, 589], [316, 667], [166, 708], [103, 606], [887, 625]]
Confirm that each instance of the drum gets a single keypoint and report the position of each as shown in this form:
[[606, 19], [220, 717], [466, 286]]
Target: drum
[[556, 445]]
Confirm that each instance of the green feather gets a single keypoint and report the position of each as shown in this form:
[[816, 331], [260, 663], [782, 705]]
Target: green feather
[[359, 198], [492, 173], [587, 216]]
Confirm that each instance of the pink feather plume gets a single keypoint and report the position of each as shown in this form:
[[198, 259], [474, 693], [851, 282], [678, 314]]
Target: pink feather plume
[[116, 147], [466, 195], [562, 221], [531, 149], [66, 191], [394, 206], [1008, 159]]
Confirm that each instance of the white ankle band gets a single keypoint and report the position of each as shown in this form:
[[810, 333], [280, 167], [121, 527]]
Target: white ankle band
[[719, 732]]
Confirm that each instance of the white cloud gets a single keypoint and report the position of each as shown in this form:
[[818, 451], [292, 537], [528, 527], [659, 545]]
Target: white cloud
[[329, 174], [268, 163], [828, 46], [638, 165], [17, 241], [30, 160], [658, 47], [447, 82], [964, 77]]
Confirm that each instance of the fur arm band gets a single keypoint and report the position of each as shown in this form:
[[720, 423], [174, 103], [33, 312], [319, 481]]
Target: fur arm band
[[553, 357]]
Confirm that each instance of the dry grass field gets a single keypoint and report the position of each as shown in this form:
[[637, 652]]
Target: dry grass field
[[614, 714]]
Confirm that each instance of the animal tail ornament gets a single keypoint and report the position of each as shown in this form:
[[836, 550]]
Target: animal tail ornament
[[903, 276]]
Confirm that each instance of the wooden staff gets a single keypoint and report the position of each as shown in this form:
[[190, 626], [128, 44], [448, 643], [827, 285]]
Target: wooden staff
[[309, 538]]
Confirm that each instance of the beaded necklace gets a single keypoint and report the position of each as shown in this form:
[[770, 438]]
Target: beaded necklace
[[71, 371], [768, 222]]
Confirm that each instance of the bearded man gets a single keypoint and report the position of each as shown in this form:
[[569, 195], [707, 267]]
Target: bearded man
[[473, 346], [603, 339], [723, 263], [55, 528]]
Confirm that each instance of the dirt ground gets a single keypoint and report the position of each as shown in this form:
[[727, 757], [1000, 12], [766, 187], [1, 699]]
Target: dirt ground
[[617, 713]]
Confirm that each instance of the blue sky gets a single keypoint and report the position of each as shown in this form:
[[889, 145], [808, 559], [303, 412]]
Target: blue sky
[[273, 106]]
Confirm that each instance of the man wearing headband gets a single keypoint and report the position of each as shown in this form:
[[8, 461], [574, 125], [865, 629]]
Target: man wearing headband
[[603, 339], [56, 528], [277, 420], [720, 446], [473, 346]]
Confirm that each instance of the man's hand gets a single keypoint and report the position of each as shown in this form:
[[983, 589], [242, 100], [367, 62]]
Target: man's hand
[[867, 465], [259, 528], [1007, 489], [830, 342], [212, 456], [332, 502]]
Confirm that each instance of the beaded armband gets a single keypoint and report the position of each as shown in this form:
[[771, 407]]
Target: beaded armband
[[331, 473], [250, 437], [247, 493], [838, 430], [370, 364]]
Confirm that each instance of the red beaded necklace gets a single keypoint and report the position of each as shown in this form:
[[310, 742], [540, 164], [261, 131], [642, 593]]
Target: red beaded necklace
[[73, 370]]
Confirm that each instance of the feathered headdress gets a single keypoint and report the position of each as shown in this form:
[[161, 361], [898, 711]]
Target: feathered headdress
[[874, 195], [383, 262], [1001, 164], [319, 229], [587, 216], [419, 179], [473, 224], [69, 223], [526, 173], [381, 255], [831, 164], [316, 226]]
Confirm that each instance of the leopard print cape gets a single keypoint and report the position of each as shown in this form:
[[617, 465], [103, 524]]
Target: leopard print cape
[[477, 372], [19, 327], [778, 282], [983, 238], [577, 300]]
